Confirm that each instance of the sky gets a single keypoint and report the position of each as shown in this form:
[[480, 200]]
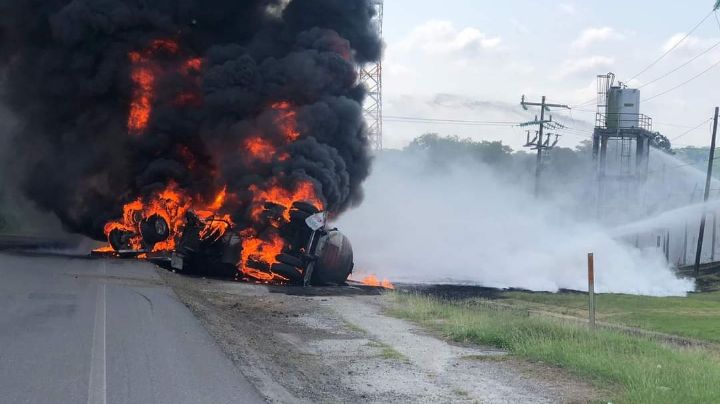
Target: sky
[[473, 59]]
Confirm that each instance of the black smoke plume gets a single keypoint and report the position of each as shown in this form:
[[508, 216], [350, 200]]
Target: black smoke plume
[[67, 68]]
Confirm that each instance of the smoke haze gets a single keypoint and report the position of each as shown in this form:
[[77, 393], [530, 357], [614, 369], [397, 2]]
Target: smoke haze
[[465, 222]]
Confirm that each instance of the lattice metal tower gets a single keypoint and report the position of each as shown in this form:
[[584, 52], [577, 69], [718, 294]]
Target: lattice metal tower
[[370, 75]]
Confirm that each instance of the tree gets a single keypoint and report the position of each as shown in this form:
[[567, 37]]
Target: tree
[[453, 147]]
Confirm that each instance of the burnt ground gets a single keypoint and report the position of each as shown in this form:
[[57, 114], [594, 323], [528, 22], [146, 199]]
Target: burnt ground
[[456, 292], [332, 345], [707, 279]]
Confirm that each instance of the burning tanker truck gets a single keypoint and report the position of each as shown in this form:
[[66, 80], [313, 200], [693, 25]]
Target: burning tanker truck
[[301, 251], [216, 136]]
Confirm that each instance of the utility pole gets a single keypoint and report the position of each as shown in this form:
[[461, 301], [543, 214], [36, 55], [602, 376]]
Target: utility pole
[[714, 235], [539, 143], [708, 178], [685, 240]]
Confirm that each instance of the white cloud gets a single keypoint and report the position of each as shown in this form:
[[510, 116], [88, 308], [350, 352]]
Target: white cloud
[[593, 35], [442, 37], [583, 65]]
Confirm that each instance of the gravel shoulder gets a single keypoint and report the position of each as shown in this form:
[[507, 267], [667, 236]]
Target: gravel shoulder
[[328, 345]]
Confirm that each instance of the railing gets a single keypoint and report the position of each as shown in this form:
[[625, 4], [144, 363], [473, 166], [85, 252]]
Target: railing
[[623, 121]]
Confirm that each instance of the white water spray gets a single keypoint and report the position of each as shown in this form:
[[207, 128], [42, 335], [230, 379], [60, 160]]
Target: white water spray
[[460, 224]]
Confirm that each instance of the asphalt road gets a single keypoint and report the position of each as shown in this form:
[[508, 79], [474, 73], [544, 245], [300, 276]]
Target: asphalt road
[[105, 331]]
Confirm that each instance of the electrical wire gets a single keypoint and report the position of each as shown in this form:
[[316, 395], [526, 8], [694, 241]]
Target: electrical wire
[[681, 66], [683, 83], [653, 63], [691, 129], [409, 119]]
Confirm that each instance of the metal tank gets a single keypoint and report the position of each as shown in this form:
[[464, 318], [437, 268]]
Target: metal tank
[[334, 259], [623, 108]]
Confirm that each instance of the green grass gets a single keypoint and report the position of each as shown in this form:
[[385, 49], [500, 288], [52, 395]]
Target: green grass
[[355, 328], [636, 369], [387, 352], [696, 316]]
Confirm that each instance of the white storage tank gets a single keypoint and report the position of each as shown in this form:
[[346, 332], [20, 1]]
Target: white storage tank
[[623, 108]]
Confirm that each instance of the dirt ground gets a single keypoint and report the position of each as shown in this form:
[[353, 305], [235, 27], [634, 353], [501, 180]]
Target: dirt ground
[[330, 345]]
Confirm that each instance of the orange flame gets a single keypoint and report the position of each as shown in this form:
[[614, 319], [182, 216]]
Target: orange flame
[[303, 191], [260, 149], [264, 251], [141, 104], [194, 64], [104, 249], [372, 280], [287, 120], [171, 204], [143, 74]]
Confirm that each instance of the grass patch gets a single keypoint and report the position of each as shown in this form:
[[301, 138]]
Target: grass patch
[[387, 352], [696, 316], [460, 392], [355, 328], [646, 371]]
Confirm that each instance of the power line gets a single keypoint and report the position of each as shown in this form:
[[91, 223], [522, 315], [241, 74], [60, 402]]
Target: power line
[[653, 63], [683, 83], [672, 125], [690, 130], [681, 66], [413, 119], [588, 102]]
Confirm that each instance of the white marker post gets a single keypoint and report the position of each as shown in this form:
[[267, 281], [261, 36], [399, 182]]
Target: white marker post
[[591, 289]]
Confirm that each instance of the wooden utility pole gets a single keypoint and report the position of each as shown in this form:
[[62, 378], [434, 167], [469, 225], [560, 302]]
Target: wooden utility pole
[[683, 262], [540, 143], [591, 290], [708, 179], [714, 237]]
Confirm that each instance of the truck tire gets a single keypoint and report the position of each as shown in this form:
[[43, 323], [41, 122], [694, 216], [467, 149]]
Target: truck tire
[[120, 239], [154, 229], [293, 274], [290, 260]]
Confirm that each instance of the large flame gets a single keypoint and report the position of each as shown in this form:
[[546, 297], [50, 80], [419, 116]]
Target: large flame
[[143, 73], [259, 251], [171, 204], [278, 195], [266, 249]]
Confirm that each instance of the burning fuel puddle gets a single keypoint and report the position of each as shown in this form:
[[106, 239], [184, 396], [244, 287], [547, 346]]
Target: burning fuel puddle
[[341, 290]]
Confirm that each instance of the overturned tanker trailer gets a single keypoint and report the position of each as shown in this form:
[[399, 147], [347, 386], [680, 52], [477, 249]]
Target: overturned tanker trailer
[[312, 253]]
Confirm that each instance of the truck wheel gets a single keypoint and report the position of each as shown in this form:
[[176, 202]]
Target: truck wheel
[[120, 239], [290, 260], [154, 229], [290, 272]]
